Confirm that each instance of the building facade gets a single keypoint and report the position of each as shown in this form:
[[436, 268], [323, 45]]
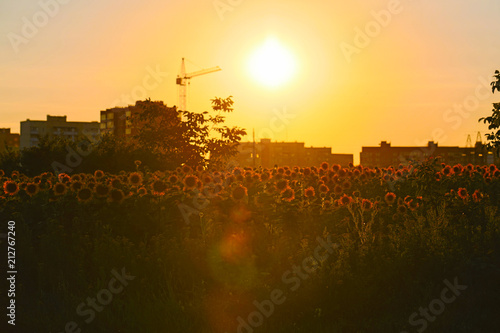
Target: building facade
[[268, 154], [387, 155], [56, 126], [121, 121], [8, 140], [116, 121]]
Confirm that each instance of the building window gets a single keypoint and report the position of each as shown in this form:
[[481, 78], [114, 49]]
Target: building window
[[110, 124], [103, 116], [128, 131], [111, 116]]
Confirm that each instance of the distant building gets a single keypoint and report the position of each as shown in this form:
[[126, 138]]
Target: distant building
[[387, 155], [267, 154], [8, 140], [119, 121], [33, 130]]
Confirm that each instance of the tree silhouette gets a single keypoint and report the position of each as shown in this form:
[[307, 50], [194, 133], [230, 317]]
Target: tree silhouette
[[494, 120], [179, 137]]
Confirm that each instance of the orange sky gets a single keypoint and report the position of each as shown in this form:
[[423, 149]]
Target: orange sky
[[419, 75]]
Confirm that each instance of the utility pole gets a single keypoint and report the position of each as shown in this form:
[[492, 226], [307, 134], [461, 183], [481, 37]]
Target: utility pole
[[253, 148]]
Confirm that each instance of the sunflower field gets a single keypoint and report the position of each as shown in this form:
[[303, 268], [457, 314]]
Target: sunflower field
[[227, 250]]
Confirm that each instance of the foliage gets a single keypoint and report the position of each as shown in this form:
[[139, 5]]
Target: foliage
[[205, 245], [165, 139], [494, 120], [184, 136]]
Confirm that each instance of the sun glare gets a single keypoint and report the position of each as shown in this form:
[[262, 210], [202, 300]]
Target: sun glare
[[272, 64]]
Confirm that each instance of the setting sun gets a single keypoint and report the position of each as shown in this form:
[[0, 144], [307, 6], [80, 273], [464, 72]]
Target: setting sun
[[272, 64]]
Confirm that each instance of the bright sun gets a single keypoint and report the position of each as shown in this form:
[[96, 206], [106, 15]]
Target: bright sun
[[272, 64]]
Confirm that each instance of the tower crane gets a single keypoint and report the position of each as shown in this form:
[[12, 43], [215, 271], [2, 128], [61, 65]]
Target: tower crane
[[183, 79]]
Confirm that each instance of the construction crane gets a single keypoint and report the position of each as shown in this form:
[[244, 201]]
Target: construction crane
[[468, 142], [183, 80]]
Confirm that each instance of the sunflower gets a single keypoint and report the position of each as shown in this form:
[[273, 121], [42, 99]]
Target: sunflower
[[142, 191], [2, 173], [159, 187], [98, 174], [477, 196], [390, 198], [76, 178], [60, 189], [288, 194], [64, 178], [282, 184], [338, 190], [413, 204], [116, 195], [101, 190], [457, 168], [309, 192], [84, 194], [326, 204], [345, 200], [32, 189], [402, 209], [116, 183], [173, 179], [366, 205], [264, 176], [447, 170], [239, 192], [323, 188], [76, 185], [10, 187], [190, 182], [462, 193], [135, 179]]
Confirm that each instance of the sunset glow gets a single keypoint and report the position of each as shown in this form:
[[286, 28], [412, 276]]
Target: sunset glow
[[272, 64], [229, 166]]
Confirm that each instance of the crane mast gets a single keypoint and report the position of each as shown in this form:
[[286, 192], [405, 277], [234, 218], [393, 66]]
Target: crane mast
[[183, 80]]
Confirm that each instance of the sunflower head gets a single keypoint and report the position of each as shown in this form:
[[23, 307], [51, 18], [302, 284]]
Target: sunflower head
[[390, 198], [239, 192], [84, 194], [32, 189], [98, 174], [60, 189], [10, 187], [116, 195], [135, 179], [309, 192], [101, 190], [159, 187], [288, 194]]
